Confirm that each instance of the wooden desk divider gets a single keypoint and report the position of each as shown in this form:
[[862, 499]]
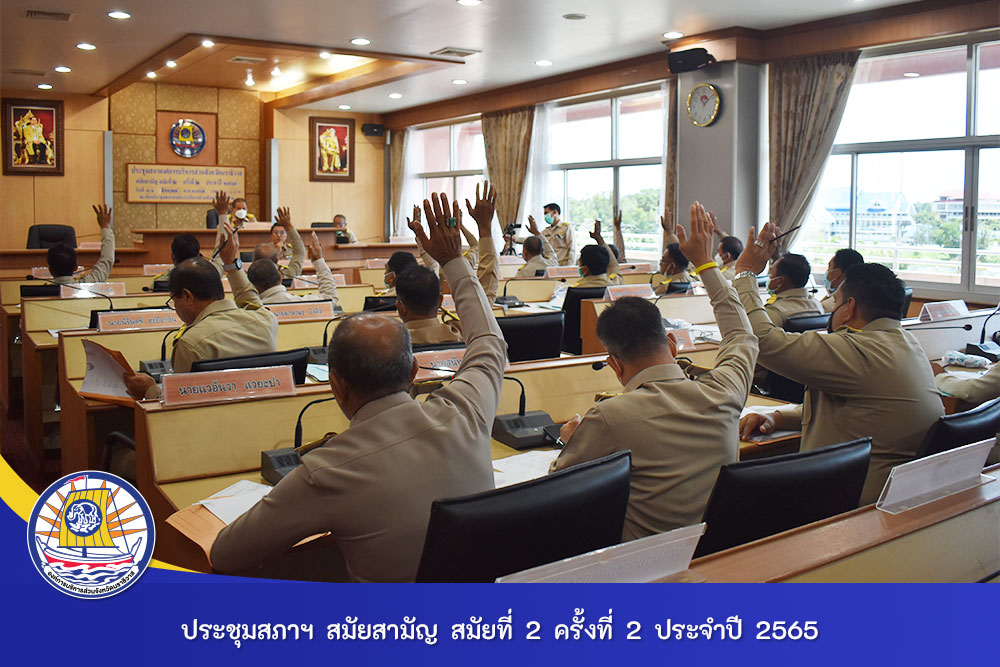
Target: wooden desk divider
[[530, 289], [693, 309]]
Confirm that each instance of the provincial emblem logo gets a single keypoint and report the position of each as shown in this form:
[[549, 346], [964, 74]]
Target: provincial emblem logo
[[91, 535], [187, 138]]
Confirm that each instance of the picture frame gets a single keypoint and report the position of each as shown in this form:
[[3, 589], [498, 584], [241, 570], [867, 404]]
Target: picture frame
[[33, 137], [331, 149]]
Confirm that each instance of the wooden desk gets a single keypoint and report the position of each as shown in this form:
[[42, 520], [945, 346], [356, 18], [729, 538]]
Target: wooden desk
[[693, 309], [18, 263], [530, 289], [952, 539], [936, 341]]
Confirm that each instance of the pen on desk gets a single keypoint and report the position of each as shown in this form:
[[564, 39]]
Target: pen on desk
[[785, 233]]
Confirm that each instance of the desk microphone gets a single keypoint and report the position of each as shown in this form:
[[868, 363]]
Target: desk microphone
[[298, 422], [511, 301], [72, 286], [156, 368], [320, 355], [276, 463], [989, 350], [967, 327], [598, 365]]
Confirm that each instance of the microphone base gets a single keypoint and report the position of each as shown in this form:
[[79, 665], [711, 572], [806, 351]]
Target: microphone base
[[989, 349], [318, 355], [276, 463], [155, 368], [522, 432], [509, 301]]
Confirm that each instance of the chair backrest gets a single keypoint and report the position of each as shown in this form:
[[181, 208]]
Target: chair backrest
[[962, 428], [45, 289], [320, 225], [532, 336], [431, 347], [297, 359], [907, 297], [571, 341], [488, 535], [780, 387], [380, 303], [45, 236], [211, 218], [678, 287], [761, 497], [804, 323]]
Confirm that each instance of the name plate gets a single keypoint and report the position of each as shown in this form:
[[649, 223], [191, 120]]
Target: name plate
[[91, 290], [43, 272], [628, 269], [943, 310], [181, 184], [155, 269], [638, 561], [307, 283], [89, 245], [684, 341], [231, 385], [615, 292], [562, 272], [448, 302], [377, 263], [511, 260], [933, 477], [161, 318], [447, 361], [298, 311]]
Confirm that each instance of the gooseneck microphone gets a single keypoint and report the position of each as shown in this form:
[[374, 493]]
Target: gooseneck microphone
[[72, 286], [989, 350], [967, 327], [326, 329], [298, 422], [163, 343]]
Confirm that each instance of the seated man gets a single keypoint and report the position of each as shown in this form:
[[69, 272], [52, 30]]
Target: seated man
[[397, 264], [869, 377], [612, 250], [533, 252], [340, 225], [371, 487], [729, 249], [673, 265], [269, 250], [790, 298], [842, 260], [183, 246], [266, 278], [972, 391], [680, 431], [279, 239], [62, 259], [594, 262], [214, 326]]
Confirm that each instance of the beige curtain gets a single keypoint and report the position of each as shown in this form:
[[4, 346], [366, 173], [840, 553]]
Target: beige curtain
[[670, 159], [806, 100], [507, 135], [398, 139]]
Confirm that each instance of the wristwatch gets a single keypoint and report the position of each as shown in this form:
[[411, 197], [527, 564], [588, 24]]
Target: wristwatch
[[235, 266], [745, 273]]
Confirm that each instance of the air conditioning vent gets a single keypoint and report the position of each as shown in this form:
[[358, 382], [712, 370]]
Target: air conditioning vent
[[42, 15], [27, 72], [247, 60], [455, 52]]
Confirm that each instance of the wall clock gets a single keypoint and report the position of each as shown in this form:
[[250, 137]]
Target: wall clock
[[703, 104]]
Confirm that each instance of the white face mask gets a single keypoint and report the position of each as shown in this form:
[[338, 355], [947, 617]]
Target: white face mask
[[240, 213], [718, 259]]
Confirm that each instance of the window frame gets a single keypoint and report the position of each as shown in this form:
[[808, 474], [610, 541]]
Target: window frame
[[452, 174]]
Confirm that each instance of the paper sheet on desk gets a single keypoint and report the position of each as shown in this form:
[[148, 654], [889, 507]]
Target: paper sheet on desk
[[764, 437], [969, 374], [522, 467], [320, 372], [233, 501]]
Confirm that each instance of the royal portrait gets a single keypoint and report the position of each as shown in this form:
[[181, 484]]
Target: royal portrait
[[33, 137], [331, 149]]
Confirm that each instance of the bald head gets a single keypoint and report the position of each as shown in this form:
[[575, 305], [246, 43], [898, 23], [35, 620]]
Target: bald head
[[264, 274], [532, 247], [265, 251], [372, 355]]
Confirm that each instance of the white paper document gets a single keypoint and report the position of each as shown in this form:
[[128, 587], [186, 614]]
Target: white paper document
[[321, 372], [522, 467], [765, 437], [104, 373], [233, 501]]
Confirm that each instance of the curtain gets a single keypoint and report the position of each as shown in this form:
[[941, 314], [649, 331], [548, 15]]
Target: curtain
[[806, 100], [668, 198], [507, 135], [536, 193], [411, 188], [396, 154]]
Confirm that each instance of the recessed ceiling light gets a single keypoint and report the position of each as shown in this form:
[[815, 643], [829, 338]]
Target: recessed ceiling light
[[344, 107], [324, 55], [120, 15], [86, 46], [171, 63], [574, 17], [544, 63], [911, 75], [395, 96], [459, 82], [673, 34], [249, 80], [361, 41], [276, 71], [45, 86], [62, 69], [469, 3], [207, 43], [150, 75]]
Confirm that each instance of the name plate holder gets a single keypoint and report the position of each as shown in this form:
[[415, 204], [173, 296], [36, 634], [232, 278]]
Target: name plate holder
[[562, 272], [91, 290], [311, 283], [447, 361], [931, 478], [511, 260], [137, 320], [936, 311], [684, 341], [657, 557], [615, 292], [301, 311], [377, 263], [155, 269], [228, 385], [629, 269]]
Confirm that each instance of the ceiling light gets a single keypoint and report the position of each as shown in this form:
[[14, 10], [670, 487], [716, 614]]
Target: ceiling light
[[469, 3], [62, 69], [324, 55], [150, 75], [673, 34], [120, 15], [249, 80], [276, 71], [171, 63], [574, 17], [459, 82], [361, 41], [207, 43], [344, 107], [86, 46], [544, 63], [911, 75], [395, 96], [45, 86]]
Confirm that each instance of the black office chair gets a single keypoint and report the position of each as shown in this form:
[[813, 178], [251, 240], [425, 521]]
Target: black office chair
[[297, 359], [39, 290], [246, 256], [211, 218], [380, 304], [962, 428], [780, 387], [907, 297], [488, 535], [433, 347], [804, 323], [571, 341], [532, 336], [45, 236], [761, 497], [678, 288], [320, 225]]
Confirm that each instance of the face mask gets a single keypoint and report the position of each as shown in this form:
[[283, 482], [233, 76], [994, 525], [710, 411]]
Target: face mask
[[240, 213], [829, 325], [718, 259], [549, 219], [827, 283], [580, 271]]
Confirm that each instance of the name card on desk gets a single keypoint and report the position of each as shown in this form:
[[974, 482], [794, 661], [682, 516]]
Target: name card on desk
[[298, 311], [448, 302], [628, 269], [43, 272], [89, 245], [377, 263], [134, 320], [638, 561], [447, 360], [306, 283], [91, 290], [512, 260], [684, 341], [933, 477], [943, 310], [155, 269], [562, 272], [231, 385], [615, 292]]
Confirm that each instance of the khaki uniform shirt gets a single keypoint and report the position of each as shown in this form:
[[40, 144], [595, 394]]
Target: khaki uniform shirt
[[792, 303], [680, 431], [600, 280], [327, 288], [351, 238], [533, 266], [729, 270], [432, 330], [102, 268], [372, 486], [290, 270], [682, 277], [873, 382], [977, 390], [827, 303], [560, 237]]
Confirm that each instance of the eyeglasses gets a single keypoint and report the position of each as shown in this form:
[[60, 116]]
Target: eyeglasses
[[170, 303]]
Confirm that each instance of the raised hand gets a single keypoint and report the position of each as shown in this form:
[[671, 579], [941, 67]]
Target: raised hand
[[596, 234], [697, 244], [482, 212], [715, 226], [103, 215], [284, 217], [616, 220], [314, 247], [757, 250], [667, 221], [444, 242], [231, 250], [532, 227], [221, 203]]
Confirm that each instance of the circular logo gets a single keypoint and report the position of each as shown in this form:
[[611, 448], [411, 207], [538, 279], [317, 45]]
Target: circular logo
[[187, 137], [90, 535]]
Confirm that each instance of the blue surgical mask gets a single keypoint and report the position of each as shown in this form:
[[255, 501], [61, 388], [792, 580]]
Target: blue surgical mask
[[827, 283], [549, 219]]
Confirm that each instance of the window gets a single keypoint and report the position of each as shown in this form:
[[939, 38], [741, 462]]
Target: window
[[454, 159], [912, 179], [607, 154]]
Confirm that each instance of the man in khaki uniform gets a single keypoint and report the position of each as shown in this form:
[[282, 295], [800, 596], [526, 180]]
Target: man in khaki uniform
[[729, 249], [973, 391], [836, 269], [614, 277], [867, 378], [398, 262], [340, 224], [559, 235], [680, 431], [264, 250], [533, 251], [594, 263], [62, 259], [266, 278], [371, 487], [214, 326], [790, 298]]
